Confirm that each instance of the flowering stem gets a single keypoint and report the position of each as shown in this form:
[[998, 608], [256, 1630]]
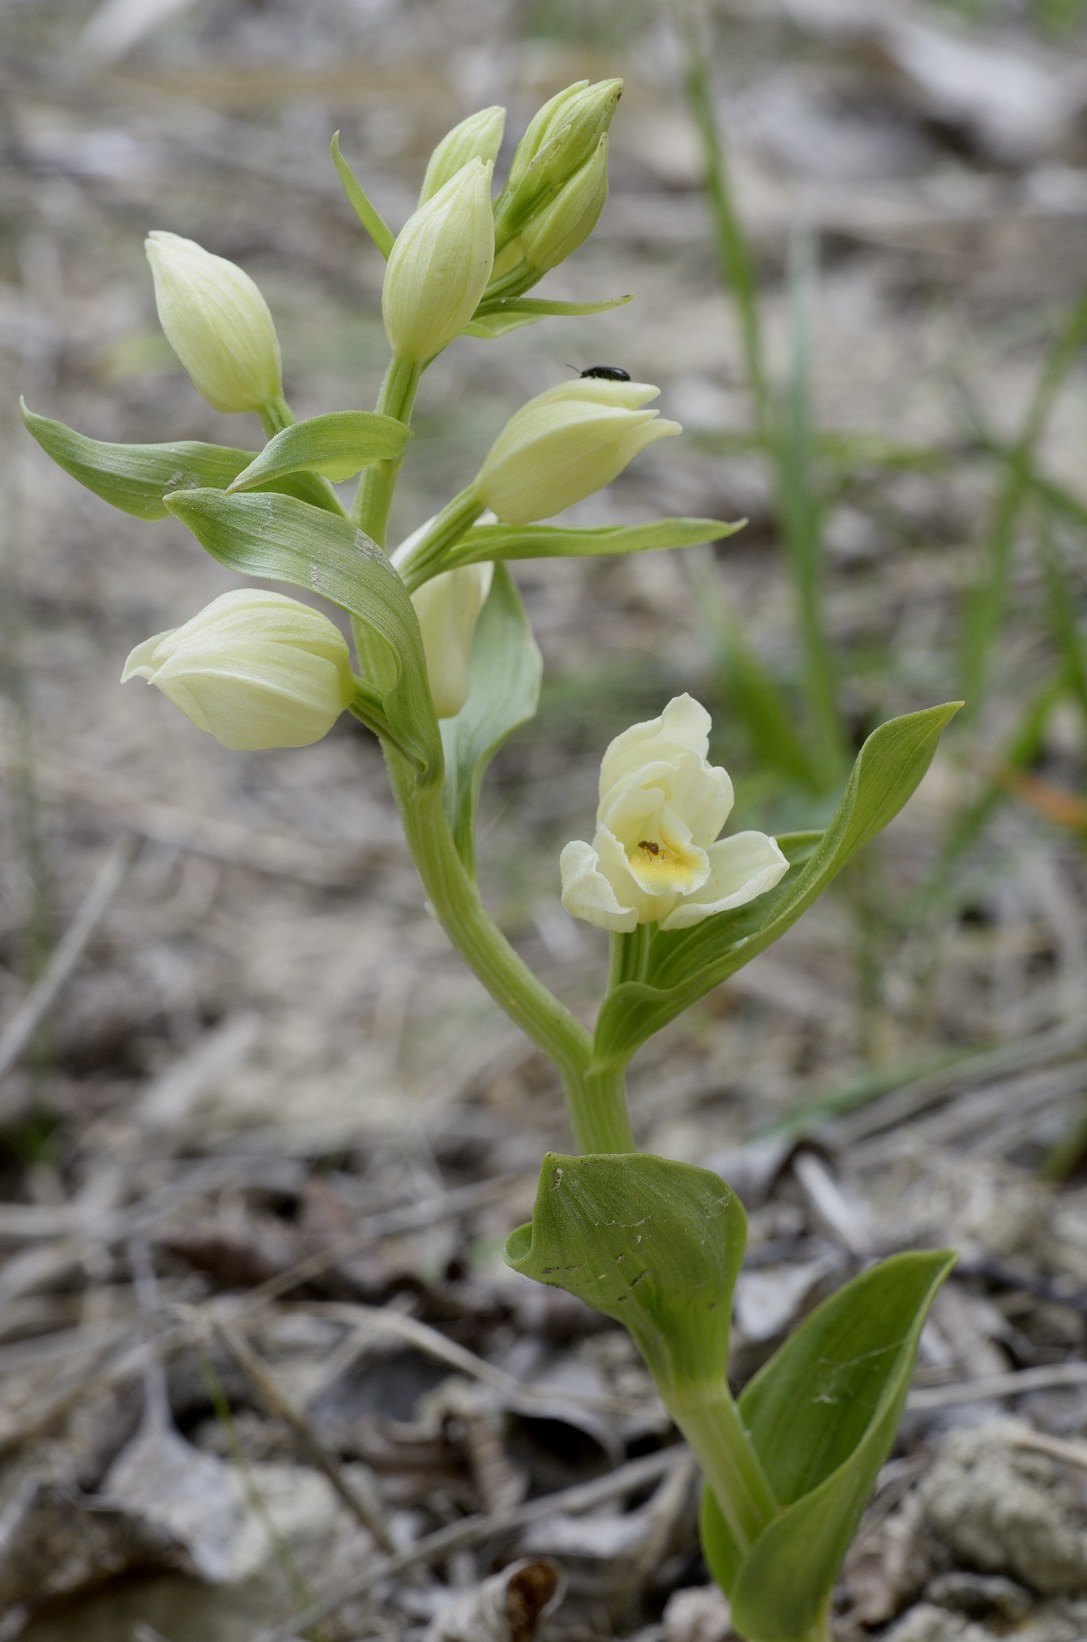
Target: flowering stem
[[457, 904], [630, 955], [711, 1423], [373, 498], [596, 1099]]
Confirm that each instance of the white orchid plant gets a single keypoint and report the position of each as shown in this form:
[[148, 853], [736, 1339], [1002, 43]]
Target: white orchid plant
[[444, 670]]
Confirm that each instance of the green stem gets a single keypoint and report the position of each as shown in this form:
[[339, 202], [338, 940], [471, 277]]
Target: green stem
[[711, 1423], [456, 902], [425, 559], [596, 1100], [276, 415], [373, 499]]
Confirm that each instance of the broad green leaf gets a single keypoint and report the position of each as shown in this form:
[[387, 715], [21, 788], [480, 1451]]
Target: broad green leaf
[[685, 964], [337, 445], [363, 207], [503, 315], [280, 539], [499, 541], [503, 692], [656, 1245], [822, 1416], [135, 478]]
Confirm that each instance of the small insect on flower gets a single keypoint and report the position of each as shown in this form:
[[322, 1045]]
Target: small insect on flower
[[649, 846], [605, 373]]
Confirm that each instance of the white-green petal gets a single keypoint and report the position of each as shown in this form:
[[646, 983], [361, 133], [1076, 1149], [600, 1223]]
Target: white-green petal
[[741, 868], [683, 723], [587, 894]]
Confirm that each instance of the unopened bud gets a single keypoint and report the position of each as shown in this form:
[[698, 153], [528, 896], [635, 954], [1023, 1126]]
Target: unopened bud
[[448, 608], [566, 443], [479, 137], [217, 323], [566, 222], [439, 266], [254, 669], [560, 139]]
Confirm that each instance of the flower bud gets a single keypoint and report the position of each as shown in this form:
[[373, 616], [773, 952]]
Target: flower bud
[[254, 669], [448, 608], [560, 139], [656, 856], [566, 443], [217, 323], [439, 266], [566, 222], [479, 137]]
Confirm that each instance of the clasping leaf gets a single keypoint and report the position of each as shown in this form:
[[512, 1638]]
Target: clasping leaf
[[655, 1244], [337, 445], [822, 1417]]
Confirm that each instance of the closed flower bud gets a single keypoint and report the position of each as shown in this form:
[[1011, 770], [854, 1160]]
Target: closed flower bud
[[254, 669], [448, 608], [439, 266], [564, 444], [217, 323], [479, 137], [550, 236], [656, 857], [560, 139]]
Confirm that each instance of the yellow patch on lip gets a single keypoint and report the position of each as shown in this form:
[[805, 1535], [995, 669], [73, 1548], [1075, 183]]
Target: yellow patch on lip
[[665, 867]]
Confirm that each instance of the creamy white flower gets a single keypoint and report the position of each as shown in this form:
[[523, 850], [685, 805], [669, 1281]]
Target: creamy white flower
[[448, 607], [439, 265], [253, 669], [564, 444], [217, 323], [656, 857]]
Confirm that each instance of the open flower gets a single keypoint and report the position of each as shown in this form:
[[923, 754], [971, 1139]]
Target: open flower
[[656, 857], [566, 443], [253, 669]]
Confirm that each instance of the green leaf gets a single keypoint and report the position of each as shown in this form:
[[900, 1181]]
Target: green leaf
[[503, 692], [363, 207], [499, 317], [337, 445], [283, 540], [683, 965], [488, 327], [557, 542], [656, 1245], [136, 478], [822, 1416]]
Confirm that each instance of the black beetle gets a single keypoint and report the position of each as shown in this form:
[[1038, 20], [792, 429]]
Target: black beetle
[[605, 373]]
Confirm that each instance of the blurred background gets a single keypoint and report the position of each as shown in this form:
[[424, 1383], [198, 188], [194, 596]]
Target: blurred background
[[857, 237]]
